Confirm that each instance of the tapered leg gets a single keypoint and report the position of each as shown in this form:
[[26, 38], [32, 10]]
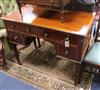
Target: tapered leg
[[81, 71], [16, 52], [78, 73]]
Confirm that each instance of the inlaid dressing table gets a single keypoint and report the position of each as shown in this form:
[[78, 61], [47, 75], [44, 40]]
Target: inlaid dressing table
[[71, 38]]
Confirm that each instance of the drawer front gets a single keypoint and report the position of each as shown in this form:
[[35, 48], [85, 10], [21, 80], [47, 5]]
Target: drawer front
[[70, 52], [75, 39], [59, 36], [15, 37], [18, 38], [13, 25], [20, 27], [52, 35], [73, 53]]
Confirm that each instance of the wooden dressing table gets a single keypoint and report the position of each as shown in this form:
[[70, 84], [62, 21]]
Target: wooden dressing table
[[71, 38]]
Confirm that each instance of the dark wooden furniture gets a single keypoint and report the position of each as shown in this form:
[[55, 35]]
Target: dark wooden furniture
[[98, 4], [57, 5], [91, 62], [2, 59], [71, 39]]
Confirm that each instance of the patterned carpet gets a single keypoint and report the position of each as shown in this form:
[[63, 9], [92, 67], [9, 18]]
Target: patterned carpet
[[42, 68]]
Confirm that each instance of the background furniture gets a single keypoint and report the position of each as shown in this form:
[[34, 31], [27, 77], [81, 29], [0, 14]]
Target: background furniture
[[2, 59], [55, 5], [98, 5], [91, 62], [7, 7]]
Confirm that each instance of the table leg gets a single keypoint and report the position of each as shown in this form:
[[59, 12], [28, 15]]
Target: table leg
[[78, 73], [39, 45], [34, 41], [15, 52]]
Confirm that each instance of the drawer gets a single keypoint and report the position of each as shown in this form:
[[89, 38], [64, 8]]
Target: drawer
[[75, 39], [52, 35], [59, 36], [73, 53], [19, 38], [20, 27], [67, 52], [12, 25]]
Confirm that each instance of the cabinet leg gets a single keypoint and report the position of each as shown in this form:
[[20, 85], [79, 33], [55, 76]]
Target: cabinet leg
[[16, 53], [78, 74]]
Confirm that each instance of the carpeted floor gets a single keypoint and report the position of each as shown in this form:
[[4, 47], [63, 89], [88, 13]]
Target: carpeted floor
[[41, 68]]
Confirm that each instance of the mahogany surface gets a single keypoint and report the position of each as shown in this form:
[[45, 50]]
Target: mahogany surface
[[76, 29], [75, 21]]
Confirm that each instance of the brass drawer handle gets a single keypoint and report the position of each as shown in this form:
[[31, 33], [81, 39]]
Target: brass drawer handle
[[13, 26], [27, 30], [51, 1], [46, 34], [15, 37]]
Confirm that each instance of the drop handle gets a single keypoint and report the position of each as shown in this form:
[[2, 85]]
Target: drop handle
[[13, 26], [46, 35], [15, 37], [51, 1], [27, 30]]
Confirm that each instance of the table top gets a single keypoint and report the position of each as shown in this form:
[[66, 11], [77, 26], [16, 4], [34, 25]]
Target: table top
[[76, 22]]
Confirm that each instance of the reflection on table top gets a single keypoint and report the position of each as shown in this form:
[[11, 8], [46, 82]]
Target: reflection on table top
[[76, 22]]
